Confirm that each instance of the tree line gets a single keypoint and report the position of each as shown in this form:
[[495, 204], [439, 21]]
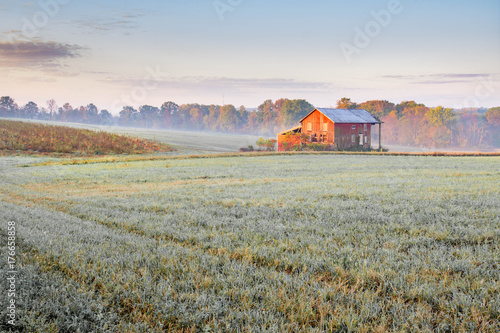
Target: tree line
[[268, 118], [406, 123], [414, 124]]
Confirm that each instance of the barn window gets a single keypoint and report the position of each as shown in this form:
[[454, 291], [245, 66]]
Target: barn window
[[325, 127], [366, 127], [309, 126], [366, 139], [353, 138], [353, 127]]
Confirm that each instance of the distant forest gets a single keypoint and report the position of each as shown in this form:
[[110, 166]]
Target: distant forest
[[407, 123]]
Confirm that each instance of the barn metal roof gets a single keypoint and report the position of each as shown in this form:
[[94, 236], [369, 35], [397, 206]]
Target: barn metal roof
[[294, 129], [347, 116]]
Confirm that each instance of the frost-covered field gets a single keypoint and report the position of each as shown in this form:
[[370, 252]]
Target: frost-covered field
[[269, 243]]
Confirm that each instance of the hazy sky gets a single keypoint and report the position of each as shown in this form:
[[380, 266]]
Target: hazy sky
[[115, 53]]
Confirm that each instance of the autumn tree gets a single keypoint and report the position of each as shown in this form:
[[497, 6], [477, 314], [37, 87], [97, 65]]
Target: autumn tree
[[196, 115], [278, 108], [229, 118], [440, 122], [345, 103], [493, 117], [378, 108], [167, 111], [268, 115], [391, 127], [440, 116], [243, 118], [182, 118], [413, 126], [472, 130], [407, 105], [253, 122], [211, 120], [294, 110]]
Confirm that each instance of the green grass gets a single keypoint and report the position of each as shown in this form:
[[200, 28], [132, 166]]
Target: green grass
[[279, 243]]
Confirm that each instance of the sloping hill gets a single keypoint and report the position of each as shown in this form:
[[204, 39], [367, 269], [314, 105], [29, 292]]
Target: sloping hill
[[33, 138]]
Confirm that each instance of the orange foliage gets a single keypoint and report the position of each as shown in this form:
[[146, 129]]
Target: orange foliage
[[293, 142]]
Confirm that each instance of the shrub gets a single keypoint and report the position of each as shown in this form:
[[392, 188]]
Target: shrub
[[314, 146], [293, 142], [266, 144]]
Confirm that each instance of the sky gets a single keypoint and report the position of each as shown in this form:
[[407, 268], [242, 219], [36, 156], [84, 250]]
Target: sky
[[243, 52]]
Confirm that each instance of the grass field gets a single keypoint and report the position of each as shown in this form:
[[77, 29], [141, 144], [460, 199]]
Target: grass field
[[319, 243]]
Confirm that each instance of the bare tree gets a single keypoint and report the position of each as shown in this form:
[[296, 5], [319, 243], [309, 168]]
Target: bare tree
[[52, 108]]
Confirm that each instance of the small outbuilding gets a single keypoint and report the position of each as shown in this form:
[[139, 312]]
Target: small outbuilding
[[338, 128]]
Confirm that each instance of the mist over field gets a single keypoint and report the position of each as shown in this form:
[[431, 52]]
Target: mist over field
[[406, 126], [250, 166]]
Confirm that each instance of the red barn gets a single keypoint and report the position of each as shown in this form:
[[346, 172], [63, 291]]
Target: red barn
[[340, 129]]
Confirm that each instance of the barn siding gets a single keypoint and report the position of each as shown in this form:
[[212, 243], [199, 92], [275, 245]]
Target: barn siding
[[344, 133], [315, 122]]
